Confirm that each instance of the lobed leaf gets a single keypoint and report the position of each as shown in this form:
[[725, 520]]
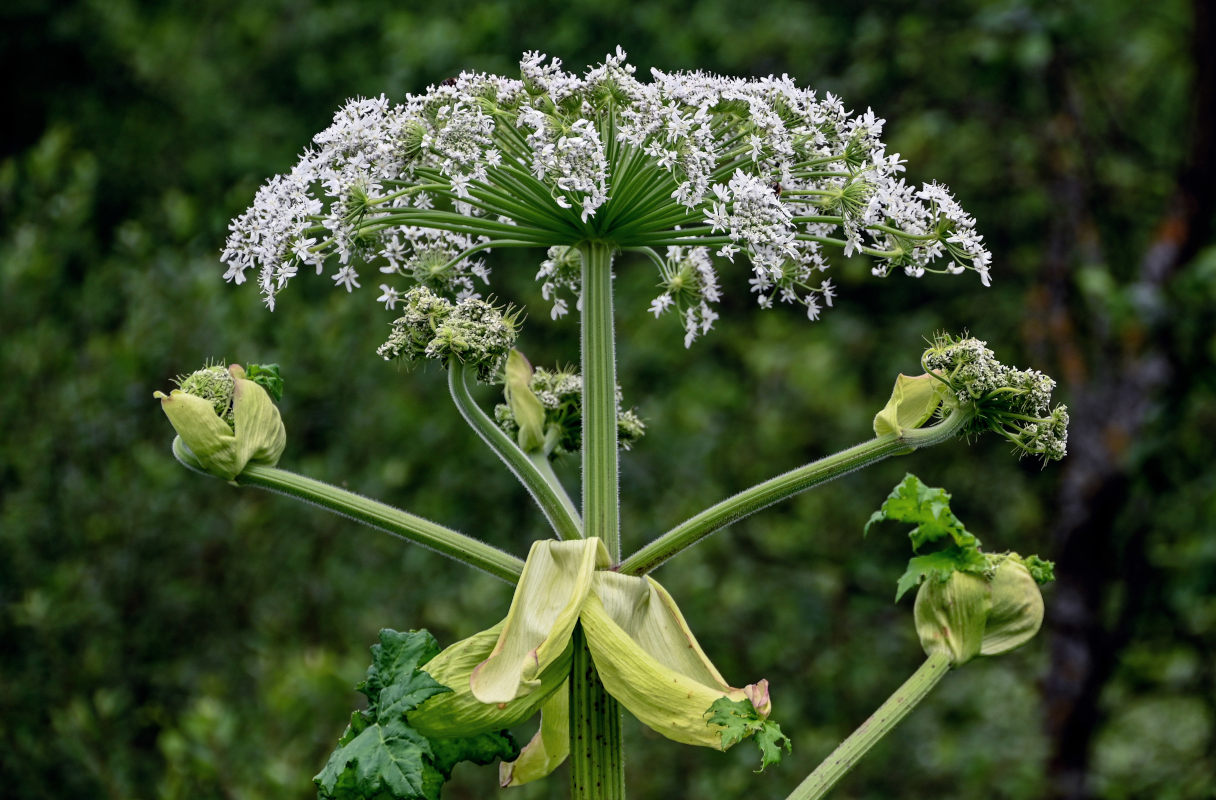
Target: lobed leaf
[[380, 756], [738, 719]]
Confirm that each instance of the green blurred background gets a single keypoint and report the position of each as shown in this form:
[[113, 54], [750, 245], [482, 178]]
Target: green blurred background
[[167, 636]]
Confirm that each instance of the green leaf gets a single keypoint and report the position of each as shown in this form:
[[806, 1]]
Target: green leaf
[[1042, 570], [266, 376], [394, 678], [391, 759], [485, 748], [739, 719], [939, 566], [380, 756], [928, 507]]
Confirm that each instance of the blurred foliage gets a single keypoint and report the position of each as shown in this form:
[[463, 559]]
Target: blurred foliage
[[168, 636]]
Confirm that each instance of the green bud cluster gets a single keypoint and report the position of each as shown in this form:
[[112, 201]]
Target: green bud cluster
[[471, 331], [560, 394], [214, 384], [1011, 402], [970, 602]]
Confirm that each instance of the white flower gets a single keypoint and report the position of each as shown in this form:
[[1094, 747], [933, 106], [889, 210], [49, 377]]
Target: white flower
[[347, 278], [661, 304]]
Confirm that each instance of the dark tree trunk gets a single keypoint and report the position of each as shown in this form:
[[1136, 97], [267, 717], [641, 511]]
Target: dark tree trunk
[[1113, 382]]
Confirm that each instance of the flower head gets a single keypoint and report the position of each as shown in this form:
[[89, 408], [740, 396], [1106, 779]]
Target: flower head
[[471, 331], [713, 166], [1014, 403]]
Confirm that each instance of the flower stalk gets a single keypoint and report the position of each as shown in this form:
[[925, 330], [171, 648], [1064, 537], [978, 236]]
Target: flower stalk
[[600, 498], [384, 517], [597, 768], [542, 485], [869, 733], [763, 495]]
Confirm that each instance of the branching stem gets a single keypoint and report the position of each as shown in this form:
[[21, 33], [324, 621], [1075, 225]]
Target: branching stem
[[762, 495], [421, 531], [557, 509]]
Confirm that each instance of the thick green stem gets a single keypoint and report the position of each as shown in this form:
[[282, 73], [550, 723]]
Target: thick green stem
[[556, 507], [880, 723], [600, 509], [392, 520], [597, 771], [762, 495], [596, 763]]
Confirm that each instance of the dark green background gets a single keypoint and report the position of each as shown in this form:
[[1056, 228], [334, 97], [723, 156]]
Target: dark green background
[[163, 635]]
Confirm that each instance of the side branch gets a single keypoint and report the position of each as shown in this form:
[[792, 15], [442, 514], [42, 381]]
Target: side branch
[[450, 543], [552, 499], [763, 495], [870, 732]]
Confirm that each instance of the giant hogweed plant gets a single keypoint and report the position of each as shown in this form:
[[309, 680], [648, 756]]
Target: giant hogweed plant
[[700, 177]]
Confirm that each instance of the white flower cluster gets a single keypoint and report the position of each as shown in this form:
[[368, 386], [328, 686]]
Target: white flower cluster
[[689, 285], [1015, 403], [471, 331], [715, 167], [560, 272]]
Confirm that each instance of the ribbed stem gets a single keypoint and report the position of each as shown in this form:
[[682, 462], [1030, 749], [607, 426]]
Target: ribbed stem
[[762, 495], [552, 501], [600, 509], [596, 763], [880, 723], [386, 518], [597, 771]]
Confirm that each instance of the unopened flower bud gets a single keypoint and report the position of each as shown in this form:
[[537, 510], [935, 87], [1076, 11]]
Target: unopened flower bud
[[966, 615], [523, 405], [224, 420], [913, 401]]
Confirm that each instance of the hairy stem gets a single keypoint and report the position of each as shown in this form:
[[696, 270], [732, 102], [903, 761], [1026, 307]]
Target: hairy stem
[[596, 763], [545, 467], [551, 499], [597, 771], [450, 543], [600, 505], [880, 723], [762, 495]]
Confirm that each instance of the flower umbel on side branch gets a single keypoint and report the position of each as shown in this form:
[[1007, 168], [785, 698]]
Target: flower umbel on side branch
[[1014, 403], [471, 331], [544, 409]]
